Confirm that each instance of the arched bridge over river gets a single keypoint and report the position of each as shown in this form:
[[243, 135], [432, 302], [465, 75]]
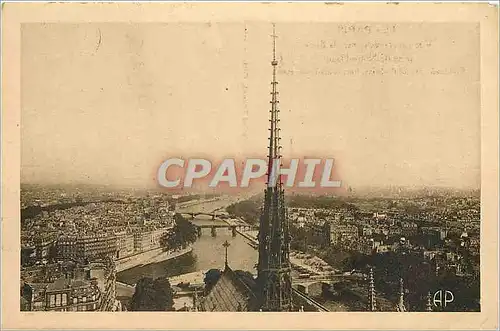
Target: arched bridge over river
[[216, 221]]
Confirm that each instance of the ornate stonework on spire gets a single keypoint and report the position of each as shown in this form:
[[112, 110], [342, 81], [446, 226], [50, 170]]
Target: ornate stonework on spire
[[274, 268], [372, 304]]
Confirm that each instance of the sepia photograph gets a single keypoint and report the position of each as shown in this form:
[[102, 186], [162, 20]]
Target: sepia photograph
[[253, 165]]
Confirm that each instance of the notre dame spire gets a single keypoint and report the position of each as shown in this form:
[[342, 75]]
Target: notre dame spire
[[274, 240]]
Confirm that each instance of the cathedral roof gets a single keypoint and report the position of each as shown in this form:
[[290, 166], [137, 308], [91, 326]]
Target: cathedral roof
[[230, 293]]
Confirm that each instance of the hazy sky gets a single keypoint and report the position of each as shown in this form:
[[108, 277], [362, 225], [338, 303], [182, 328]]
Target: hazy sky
[[107, 103]]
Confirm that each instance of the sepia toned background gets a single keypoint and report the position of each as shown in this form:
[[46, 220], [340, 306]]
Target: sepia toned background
[[384, 129], [394, 103]]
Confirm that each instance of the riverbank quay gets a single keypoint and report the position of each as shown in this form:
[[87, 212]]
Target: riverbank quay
[[193, 279], [155, 255], [169, 255], [135, 260]]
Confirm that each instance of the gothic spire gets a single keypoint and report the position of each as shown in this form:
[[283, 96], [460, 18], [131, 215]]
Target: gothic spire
[[274, 271], [371, 294]]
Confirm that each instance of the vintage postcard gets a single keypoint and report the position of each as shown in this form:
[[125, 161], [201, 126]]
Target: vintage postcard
[[249, 166]]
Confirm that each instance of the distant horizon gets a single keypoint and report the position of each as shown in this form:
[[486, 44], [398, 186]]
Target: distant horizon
[[113, 114], [212, 191]]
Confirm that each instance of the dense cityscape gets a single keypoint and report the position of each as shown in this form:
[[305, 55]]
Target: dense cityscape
[[74, 242]]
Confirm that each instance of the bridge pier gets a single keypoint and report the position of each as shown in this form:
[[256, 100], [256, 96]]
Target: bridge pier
[[214, 231], [199, 231], [233, 230]]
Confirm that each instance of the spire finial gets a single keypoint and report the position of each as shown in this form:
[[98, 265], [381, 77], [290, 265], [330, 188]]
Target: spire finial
[[274, 139], [274, 63]]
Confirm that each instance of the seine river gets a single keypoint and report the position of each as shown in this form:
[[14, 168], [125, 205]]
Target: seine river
[[207, 253]]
